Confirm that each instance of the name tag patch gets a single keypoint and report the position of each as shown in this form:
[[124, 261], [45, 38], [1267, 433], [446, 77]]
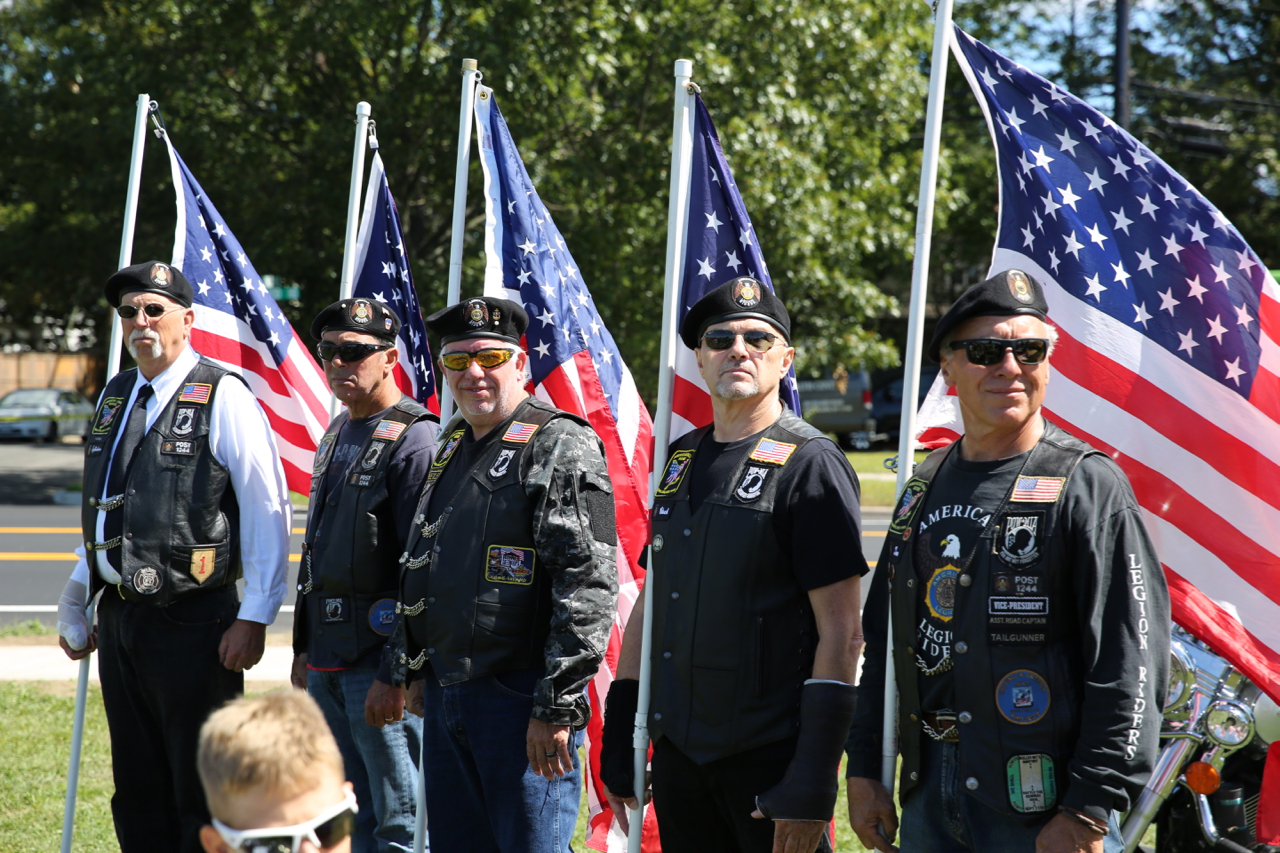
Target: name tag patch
[[752, 484], [677, 467], [177, 447], [382, 613], [1032, 784], [508, 564], [333, 610], [95, 448], [1022, 697]]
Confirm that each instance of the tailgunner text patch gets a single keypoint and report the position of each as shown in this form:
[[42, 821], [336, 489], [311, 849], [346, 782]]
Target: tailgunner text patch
[[195, 392], [1022, 697], [677, 467], [507, 564], [768, 450]]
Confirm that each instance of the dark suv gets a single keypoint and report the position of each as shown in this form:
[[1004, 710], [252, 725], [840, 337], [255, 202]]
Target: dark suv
[[886, 401], [840, 403]]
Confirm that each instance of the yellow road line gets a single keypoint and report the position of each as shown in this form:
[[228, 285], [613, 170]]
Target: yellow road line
[[52, 556], [76, 530]]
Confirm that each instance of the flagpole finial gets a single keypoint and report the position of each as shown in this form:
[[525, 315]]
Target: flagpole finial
[[363, 109], [470, 65], [684, 67]]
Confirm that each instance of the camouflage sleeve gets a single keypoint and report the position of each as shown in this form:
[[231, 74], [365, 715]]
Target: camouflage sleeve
[[576, 538]]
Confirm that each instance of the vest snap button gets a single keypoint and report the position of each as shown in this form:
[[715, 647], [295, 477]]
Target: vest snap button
[[658, 716], [431, 651], [971, 783], [911, 582], [437, 549], [965, 717], [128, 536], [966, 580], [914, 775], [448, 509], [914, 718], [962, 647], [431, 600], [133, 491], [688, 532], [666, 655], [675, 595]]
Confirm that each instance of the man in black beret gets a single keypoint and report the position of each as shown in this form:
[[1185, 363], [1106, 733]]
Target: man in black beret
[[508, 592], [1030, 616], [757, 558], [364, 487], [184, 494]]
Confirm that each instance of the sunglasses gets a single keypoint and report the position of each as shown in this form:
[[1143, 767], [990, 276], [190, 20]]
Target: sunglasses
[[755, 339], [486, 358], [989, 351], [325, 830], [154, 310], [350, 352]]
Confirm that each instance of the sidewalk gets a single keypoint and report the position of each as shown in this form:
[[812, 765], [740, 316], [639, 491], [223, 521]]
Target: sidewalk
[[41, 659]]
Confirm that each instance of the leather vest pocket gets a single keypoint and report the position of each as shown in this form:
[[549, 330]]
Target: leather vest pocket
[[502, 620]]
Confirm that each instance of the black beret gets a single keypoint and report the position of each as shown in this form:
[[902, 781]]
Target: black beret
[[151, 277], [736, 299], [1004, 294], [480, 317], [357, 315]]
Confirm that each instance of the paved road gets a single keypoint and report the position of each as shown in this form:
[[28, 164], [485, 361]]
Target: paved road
[[29, 473]]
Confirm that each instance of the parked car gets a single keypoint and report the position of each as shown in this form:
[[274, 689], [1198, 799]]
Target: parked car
[[44, 413], [886, 401], [840, 403]]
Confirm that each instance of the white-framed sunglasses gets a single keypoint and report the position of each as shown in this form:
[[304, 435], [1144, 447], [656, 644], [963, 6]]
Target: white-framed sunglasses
[[325, 830]]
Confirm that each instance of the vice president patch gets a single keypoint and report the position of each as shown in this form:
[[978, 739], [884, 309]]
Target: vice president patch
[[1022, 697], [1032, 784]]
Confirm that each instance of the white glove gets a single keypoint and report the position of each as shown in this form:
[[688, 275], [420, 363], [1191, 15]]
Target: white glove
[[72, 624]]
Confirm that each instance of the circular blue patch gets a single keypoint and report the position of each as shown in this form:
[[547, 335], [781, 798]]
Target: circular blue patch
[[382, 614], [1022, 697]]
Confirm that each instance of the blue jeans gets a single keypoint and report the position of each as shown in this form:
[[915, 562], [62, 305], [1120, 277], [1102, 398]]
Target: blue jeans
[[382, 763], [482, 794], [939, 817]]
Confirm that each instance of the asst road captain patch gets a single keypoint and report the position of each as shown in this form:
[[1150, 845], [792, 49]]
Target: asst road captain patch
[[195, 392], [507, 564], [1043, 490], [768, 450], [390, 430], [677, 467], [519, 432]]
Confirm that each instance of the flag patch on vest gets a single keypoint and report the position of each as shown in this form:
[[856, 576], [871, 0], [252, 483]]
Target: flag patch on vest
[[751, 486], [677, 467], [1022, 697], [1032, 784], [107, 414], [768, 450], [519, 433], [508, 564], [203, 561], [195, 392], [390, 430], [382, 614], [184, 421], [1038, 489]]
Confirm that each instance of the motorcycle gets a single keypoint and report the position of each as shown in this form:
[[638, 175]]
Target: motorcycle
[[1203, 792]]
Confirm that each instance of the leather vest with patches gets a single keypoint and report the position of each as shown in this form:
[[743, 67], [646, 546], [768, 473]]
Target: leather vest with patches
[[181, 521], [734, 632], [476, 599], [1017, 671], [351, 597]]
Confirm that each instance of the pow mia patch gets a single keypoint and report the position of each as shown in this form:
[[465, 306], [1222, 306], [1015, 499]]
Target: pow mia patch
[[507, 564], [107, 415], [333, 610], [372, 455], [752, 484], [498, 469], [677, 467], [146, 580], [178, 447], [184, 421], [1021, 535]]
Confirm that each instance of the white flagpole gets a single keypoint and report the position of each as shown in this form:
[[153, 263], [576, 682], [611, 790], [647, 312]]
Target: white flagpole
[[470, 76], [113, 367], [346, 282], [915, 333], [677, 216]]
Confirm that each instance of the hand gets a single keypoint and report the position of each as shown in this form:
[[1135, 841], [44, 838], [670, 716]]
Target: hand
[[79, 654], [73, 622], [298, 672], [547, 748], [620, 805], [871, 814], [242, 645], [383, 704], [795, 836], [1065, 834], [414, 702]]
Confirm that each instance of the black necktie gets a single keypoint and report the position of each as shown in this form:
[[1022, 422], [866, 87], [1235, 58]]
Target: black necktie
[[134, 429]]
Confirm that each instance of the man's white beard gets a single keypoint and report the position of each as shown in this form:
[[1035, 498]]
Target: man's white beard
[[154, 350]]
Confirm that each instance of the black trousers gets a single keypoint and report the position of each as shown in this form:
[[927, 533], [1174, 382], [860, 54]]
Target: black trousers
[[161, 679], [706, 808]]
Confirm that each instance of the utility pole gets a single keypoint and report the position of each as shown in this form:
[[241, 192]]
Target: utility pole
[[1122, 114]]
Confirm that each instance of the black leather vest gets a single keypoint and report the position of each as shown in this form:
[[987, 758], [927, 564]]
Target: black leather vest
[[180, 517], [734, 632], [350, 592], [1017, 673], [475, 599]]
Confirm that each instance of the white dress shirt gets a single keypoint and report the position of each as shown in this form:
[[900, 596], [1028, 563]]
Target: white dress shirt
[[242, 441]]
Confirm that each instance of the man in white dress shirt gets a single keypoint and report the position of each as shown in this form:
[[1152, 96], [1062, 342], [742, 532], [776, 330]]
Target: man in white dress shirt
[[183, 495]]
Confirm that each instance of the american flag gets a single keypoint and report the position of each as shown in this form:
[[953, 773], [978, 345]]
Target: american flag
[[383, 275], [1037, 489], [519, 432], [768, 450], [389, 430], [195, 392], [1167, 356], [242, 328], [720, 245], [576, 366]]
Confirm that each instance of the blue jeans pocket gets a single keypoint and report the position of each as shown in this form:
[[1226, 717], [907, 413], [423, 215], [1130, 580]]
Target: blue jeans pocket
[[519, 683]]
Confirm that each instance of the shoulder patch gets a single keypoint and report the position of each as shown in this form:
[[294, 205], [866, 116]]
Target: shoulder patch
[[519, 432], [677, 467], [1037, 489], [195, 392], [768, 450], [106, 414], [389, 430], [905, 512]]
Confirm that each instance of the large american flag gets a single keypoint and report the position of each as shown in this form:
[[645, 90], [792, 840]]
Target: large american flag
[[1167, 358], [576, 366], [241, 327], [720, 245], [382, 274]]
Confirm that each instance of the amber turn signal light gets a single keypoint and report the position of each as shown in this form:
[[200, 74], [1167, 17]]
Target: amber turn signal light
[[1201, 777]]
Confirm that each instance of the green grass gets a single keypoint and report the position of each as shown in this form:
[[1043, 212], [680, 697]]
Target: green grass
[[26, 628]]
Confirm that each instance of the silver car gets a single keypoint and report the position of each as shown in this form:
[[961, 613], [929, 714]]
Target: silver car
[[44, 414]]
